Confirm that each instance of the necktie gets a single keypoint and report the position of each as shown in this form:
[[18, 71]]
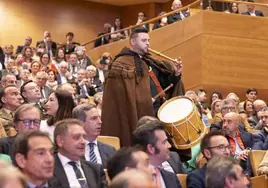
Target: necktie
[[92, 156], [82, 181], [73, 69], [157, 177]]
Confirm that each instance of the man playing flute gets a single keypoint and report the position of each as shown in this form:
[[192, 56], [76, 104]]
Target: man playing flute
[[133, 79]]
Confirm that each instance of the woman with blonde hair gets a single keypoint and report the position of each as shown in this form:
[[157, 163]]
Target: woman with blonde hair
[[216, 111]]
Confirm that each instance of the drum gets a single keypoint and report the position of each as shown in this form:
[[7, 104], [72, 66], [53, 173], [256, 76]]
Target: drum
[[182, 122]]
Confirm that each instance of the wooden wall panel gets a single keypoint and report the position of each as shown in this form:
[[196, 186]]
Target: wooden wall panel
[[20, 18]]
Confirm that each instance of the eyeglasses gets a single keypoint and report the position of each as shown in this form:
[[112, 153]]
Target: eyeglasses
[[222, 148], [28, 122]]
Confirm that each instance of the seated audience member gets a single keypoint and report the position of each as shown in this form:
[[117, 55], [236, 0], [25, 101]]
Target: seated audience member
[[11, 68], [223, 171], [33, 155], [101, 71], [27, 117], [59, 106], [132, 178], [95, 150], [104, 40], [84, 85], [153, 140], [236, 99], [261, 138], [70, 44], [46, 63], [41, 80], [82, 99], [27, 56], [214, 96], [209, 8], [10, 100], [34, 68], [249, 108], [25, 76], [118, 26], [212, 145], [180, 15], [68, 88], [52, 80], [83, 60], [233, 8], [16, 180], [50, 46], [7, 53], [251, 10], [94, 81], [216, 111], [254, 121], [162, 22], [8, 79], [142, 18], [64, 75], [126, 159], [69, 169], [202, 98], [240, 141], [98, 101], [27, 43], [228, 105], [73, 65], [263, 166], [251, 94], [60, 57]]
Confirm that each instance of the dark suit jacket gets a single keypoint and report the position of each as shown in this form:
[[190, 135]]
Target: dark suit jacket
[[257, 12], [6, 145], [90, 90], [101, 41], [105, 152], [53, 46], [260, 140], [247, 139], [175, 163], [176, 17], [95, 176], [19, 49], [170, 179], [196, 179]]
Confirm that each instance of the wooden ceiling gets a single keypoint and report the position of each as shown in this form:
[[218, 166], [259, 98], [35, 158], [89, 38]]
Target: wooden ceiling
[[127, 2]]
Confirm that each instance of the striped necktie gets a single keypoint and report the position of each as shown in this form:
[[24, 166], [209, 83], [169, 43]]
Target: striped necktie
[[92, 156], [82, 181]]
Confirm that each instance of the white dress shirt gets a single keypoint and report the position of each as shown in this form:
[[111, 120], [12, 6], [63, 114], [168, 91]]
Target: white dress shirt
[[101, 75], [166, 166], [96, 151], [69, 171], [48, 129]]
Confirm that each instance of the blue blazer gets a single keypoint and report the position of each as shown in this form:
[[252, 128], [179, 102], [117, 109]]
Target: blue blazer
[[197, 178]]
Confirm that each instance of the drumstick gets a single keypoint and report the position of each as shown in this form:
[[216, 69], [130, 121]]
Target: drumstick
[[167, 88]]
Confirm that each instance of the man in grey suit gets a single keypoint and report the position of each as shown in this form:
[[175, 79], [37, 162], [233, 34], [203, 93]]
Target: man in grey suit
[[96, 151], [41, 79], [69, 170]]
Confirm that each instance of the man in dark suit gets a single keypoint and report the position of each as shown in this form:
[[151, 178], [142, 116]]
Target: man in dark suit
[[70, 170], [84, 87], [27, 43], [251, 10], [180, 15], [27, 117], [33, 154], [96, 151], [103, 40], [51, 46], [261, 138], [153, 140], [212, 145], [5, 55]]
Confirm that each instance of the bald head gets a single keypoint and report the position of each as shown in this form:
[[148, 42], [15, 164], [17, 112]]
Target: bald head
[[231, 122], [259, 105], [132, 179]]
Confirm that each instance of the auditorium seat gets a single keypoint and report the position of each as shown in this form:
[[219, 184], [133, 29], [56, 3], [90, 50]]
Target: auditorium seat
[[256, 157], [110, 140], [182, 179]]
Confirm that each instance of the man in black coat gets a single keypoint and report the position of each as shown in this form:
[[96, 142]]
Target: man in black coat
[[27, 43], [251, 10], [50, 45]]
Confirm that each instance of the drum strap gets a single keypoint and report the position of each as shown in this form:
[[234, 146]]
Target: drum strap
[[156, 82]]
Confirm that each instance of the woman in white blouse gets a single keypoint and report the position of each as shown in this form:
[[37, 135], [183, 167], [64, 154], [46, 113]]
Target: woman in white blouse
[[118, 26]]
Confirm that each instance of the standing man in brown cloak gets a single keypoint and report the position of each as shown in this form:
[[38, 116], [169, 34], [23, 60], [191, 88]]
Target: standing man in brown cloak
[[130, 87]]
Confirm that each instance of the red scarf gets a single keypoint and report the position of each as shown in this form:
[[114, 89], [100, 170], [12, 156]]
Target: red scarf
[[232, 142]]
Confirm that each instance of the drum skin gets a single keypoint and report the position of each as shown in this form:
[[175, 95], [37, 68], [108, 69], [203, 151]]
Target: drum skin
[[182, 122]]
